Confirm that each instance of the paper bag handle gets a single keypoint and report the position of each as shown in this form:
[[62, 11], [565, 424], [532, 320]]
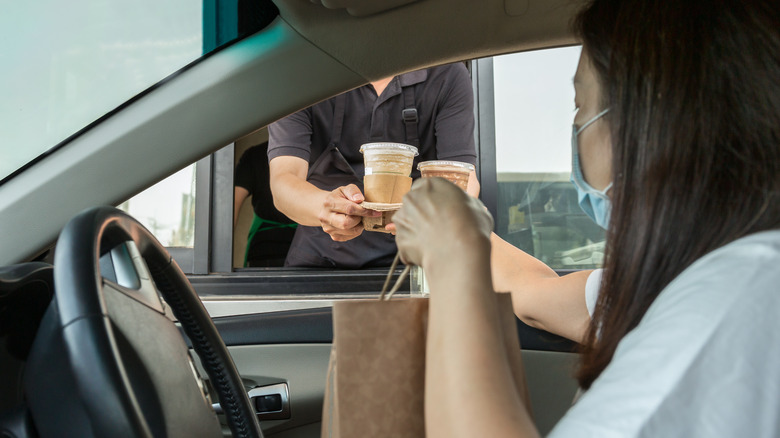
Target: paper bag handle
[[398, 282]]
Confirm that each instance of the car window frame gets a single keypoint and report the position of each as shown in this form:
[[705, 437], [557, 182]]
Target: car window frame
[[213, 249], [209, 262], [212, 272]]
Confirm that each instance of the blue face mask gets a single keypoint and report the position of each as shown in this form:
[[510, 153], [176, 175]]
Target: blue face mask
[[595, 203]]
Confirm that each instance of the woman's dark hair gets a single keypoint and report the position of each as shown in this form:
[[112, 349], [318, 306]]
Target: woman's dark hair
[[694, 93]]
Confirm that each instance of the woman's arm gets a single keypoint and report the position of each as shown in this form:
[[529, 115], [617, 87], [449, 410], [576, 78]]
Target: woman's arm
[[540, 297], [469, 386], [468, 381]]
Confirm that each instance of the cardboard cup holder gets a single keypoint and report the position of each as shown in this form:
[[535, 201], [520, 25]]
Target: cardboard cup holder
[[378, 223]]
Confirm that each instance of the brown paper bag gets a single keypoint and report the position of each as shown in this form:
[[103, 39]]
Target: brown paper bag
[[376, 376]]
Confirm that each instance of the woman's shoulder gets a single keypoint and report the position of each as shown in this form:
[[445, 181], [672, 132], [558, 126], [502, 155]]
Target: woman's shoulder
[[721, 283], [761, 247], [709, 332], [749, 264]]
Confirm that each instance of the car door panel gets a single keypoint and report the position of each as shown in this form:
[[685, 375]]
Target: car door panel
[[302, 366], [293, 347]]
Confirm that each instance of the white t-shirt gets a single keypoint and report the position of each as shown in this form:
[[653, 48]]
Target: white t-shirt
[[592, 289], [704, 361]]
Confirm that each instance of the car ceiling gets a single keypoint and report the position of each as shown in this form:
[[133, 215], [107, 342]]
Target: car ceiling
[[429, 32], [254, 82]]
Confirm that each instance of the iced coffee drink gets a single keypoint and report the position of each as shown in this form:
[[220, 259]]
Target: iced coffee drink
[[387, 170], [386, 180], [456, 172]]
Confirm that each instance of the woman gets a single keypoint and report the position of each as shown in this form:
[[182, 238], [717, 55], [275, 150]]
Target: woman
[[683, 100]]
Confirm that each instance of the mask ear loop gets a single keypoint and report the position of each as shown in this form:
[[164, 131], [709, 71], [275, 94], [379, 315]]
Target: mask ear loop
[[591, 121], [398, 282]]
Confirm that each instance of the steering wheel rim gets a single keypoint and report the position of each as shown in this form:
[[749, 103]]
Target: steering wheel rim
[[80, 297]]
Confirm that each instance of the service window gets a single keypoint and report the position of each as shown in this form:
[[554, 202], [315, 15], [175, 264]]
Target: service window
[[537, 208], [525, 165]]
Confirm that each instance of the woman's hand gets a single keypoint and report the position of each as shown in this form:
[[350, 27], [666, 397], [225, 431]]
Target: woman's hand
[[439, 221]]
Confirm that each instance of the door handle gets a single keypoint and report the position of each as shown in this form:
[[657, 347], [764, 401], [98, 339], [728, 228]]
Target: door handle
[[270, 402]]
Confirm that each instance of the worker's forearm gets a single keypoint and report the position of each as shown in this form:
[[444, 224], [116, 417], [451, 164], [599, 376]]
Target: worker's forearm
[[239, 195], [466, 360], [298, 199]]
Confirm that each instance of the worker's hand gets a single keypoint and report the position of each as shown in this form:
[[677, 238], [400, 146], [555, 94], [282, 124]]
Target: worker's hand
[[439, 221], [341, 213]]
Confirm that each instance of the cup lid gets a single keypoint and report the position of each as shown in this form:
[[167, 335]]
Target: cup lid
[[445, 163], [389, 146]]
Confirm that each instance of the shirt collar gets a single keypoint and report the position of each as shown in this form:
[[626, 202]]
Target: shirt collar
[[413, 77], [400, 81]]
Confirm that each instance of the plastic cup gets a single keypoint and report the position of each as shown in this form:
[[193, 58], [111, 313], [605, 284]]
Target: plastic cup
[[457, 172], [418, 283], [388, 158], [387, 170]]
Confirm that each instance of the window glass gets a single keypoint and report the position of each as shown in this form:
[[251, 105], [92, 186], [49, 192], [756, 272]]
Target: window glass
[[167, 209], [66, 64], [537, 204]]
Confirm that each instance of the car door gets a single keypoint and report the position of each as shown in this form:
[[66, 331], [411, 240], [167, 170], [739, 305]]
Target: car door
[[289, 350]]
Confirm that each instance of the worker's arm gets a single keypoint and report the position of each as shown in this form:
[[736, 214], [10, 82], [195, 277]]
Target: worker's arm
[[473, 186], [540, 297], [239, 196], [338, 212]]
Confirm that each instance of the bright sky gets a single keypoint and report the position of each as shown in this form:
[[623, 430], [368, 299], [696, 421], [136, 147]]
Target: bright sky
[[534, 100], [65, 64]]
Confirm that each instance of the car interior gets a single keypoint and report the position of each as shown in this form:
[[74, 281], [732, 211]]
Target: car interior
[[104, 327]]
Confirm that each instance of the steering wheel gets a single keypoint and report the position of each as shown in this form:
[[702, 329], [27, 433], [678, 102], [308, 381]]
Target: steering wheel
[[109, 361]]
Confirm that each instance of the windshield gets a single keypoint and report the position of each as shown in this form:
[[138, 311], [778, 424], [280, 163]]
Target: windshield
[[66, 64]]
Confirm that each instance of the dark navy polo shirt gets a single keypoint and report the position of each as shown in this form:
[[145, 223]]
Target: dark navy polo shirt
[[444, 100]]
